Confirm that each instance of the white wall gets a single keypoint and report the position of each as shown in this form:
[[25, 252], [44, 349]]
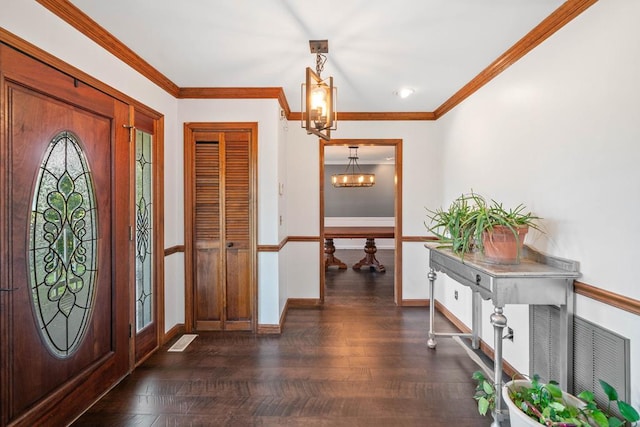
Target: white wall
[[421, 187], [266, 112], [560, 132]]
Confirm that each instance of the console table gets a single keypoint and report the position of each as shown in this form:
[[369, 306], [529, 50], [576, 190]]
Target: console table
[[538, 280], [369, 233]]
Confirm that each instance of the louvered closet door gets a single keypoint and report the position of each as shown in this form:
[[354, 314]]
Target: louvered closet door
[[236, 226], [222, 284]]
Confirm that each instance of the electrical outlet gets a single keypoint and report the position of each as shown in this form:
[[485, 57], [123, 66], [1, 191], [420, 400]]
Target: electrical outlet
[[509, 334], [455, 295]]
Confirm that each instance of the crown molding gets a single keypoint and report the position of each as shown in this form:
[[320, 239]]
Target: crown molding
[[236, 93], [377, 116], [87, 26], [552, 23], [35, 52]]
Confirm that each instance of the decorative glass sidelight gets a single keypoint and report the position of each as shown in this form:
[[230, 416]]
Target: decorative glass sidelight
[[144, 228], [63, 245]]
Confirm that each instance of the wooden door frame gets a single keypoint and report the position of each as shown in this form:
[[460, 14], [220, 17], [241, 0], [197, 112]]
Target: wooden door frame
[[397, 267], [191, 131], [153, 123]]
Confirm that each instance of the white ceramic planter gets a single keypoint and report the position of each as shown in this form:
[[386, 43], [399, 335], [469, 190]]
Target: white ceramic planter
[[517, 418]]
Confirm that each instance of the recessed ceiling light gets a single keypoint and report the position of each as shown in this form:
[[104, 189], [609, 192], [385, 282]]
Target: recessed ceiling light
[[404, 92]]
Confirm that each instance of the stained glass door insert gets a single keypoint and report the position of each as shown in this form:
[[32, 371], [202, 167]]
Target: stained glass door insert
[[62, 245], [144, 229]]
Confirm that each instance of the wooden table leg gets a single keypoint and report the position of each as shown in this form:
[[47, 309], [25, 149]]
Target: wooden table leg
[[370, 257], [329, 260]]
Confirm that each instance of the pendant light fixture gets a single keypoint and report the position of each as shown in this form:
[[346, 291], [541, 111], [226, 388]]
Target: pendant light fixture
[[318, 96], [353, 176]]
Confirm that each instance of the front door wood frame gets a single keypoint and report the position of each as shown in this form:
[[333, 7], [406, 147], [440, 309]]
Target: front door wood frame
[[397, 267], [191, 131], [152, 123]]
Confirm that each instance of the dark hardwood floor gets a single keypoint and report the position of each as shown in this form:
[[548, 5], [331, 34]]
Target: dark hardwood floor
[[356, 361]]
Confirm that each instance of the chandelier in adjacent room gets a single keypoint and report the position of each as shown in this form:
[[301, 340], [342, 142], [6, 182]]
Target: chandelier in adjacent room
[[353, 176]]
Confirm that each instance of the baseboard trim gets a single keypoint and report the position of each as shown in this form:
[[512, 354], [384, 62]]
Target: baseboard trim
[[303, 302], [178, 329], [269, 329], [415, 303], [291, 303], [283, 315]]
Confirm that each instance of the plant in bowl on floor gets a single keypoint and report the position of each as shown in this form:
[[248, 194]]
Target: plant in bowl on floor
[[547, 404]]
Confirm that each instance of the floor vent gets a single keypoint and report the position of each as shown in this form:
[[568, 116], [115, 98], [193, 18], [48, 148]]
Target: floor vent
[[183, 342], [598, 353]]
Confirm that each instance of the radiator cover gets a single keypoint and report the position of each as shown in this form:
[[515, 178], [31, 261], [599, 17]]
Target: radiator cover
[[598, 353]]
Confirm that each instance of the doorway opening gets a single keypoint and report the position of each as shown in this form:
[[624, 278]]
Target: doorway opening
[[389, 223]]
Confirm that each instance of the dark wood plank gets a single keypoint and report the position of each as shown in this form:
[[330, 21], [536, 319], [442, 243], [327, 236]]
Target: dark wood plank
[[359, 360]]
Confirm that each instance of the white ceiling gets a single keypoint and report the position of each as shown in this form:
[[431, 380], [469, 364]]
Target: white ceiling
[[376, 47]]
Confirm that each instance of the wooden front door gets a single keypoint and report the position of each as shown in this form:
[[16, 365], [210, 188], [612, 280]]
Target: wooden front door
[[222, 251], [65, 248]]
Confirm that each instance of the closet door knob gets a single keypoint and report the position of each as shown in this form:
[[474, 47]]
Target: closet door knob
[[230, 244]]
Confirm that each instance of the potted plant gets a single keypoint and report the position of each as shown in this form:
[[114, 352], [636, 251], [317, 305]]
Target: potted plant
[[532, 403], [472, 223], [500, 231], [454, 227]]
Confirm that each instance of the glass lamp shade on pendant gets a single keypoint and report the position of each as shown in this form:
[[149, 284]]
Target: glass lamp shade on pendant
[[318, 110], [319, 102], [353, 176]]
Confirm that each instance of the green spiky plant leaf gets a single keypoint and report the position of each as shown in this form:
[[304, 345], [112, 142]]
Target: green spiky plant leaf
[[461, 225]]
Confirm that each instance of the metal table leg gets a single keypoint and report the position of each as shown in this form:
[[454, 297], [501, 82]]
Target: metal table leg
[[476, 311], [431, 343], [499, 322]]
